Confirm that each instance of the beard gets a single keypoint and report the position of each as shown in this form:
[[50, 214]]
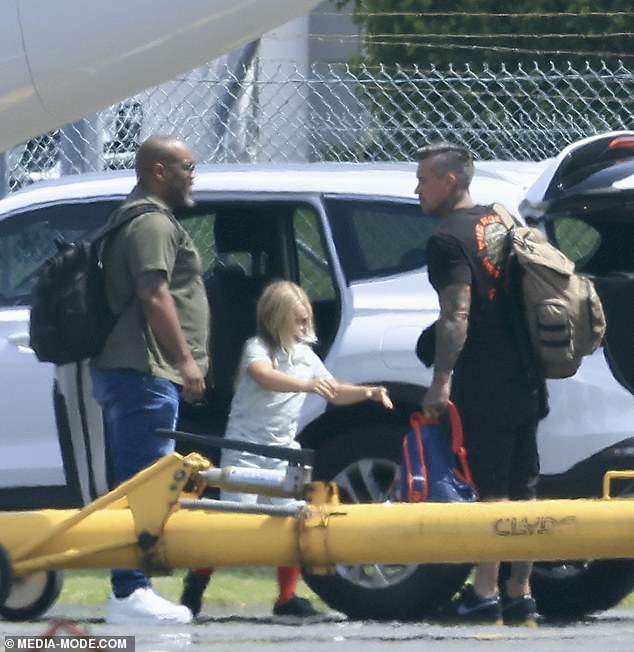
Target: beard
[[189, 201], [181, 198]]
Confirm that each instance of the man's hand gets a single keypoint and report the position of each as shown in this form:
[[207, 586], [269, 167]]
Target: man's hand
[[193, 381], [437, 397]]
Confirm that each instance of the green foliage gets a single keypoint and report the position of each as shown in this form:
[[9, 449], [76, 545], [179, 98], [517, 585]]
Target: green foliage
[[429, 33], [491, 67]]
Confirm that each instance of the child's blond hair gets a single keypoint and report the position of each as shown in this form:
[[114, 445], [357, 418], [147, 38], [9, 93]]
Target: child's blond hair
[[275, 318]]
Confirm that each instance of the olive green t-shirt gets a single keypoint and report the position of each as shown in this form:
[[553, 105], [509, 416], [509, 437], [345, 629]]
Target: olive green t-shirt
[[150, 242]]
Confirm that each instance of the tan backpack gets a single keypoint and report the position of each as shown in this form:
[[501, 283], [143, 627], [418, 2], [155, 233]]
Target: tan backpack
[[562, 310]]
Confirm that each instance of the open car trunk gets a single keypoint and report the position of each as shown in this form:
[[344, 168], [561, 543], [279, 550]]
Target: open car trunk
[[585, 202], [617, 295]]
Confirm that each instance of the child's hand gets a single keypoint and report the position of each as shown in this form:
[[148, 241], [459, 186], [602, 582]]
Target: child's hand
[[380, 395], [324, 386]]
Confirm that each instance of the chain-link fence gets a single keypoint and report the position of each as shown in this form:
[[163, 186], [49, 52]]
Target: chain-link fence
[[251, 113]]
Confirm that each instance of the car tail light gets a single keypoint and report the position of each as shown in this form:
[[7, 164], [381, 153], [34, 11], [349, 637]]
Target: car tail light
[[621, 141]]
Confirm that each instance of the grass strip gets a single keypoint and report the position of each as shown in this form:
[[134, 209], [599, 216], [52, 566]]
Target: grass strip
[[254, 586]]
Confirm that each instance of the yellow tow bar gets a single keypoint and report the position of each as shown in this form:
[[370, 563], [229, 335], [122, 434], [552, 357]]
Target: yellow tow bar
[[151, 522]]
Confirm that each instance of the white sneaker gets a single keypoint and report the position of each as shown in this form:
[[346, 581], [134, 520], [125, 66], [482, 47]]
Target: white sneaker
[[144, 606]]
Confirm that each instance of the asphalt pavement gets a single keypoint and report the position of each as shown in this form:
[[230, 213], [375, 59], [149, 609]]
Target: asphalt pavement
[[251, 630]]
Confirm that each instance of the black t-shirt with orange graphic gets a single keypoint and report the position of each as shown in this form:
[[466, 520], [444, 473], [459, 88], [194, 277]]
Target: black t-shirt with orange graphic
[[469, 247]]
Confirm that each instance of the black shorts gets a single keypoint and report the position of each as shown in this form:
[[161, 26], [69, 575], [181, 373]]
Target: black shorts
[[504, 462], [500, 408]]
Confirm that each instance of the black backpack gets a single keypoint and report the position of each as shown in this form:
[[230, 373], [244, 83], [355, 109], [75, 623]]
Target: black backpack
[[70, 317]]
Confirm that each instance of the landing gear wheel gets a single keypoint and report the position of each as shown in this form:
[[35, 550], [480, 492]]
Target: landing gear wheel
[[6, 575], [31, 596], [363, 464]]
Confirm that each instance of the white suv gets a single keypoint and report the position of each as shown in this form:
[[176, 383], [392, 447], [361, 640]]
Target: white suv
[[354, 237]]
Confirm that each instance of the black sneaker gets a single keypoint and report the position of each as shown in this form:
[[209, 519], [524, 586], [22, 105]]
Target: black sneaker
[[194, 586], [296, 609], [519, 611], [469, 608]]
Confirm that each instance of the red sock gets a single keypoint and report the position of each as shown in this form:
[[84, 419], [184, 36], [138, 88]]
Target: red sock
[[287, 578], [203, 572]]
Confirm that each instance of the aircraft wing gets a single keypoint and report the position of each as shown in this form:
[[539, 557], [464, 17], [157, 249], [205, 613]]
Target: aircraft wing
[[63, 60]]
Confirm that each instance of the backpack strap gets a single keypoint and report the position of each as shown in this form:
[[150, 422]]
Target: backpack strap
[[130, 214], [418, 419], [97, 243], [508, 219], [457, 441]]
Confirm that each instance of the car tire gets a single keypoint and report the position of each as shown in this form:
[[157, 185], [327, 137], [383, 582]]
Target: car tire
[[32, 595], [571, 590], [363, 462]]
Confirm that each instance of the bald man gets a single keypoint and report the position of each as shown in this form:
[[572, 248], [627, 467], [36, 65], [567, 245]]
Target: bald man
[[157, 352]]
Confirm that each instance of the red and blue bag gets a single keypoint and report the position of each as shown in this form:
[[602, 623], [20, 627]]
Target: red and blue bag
[[434, 463]]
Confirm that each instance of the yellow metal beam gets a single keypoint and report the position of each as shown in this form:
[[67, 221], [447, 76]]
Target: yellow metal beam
[[148, 528]]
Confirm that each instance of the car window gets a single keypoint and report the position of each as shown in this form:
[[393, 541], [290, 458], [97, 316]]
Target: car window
[[245, 238], [315, 271], [598, 236], [27, 240], [577, 239], [315, 275], [199, 225], [379, 238]]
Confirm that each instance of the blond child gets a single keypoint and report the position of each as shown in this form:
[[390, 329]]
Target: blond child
[[277, 371]]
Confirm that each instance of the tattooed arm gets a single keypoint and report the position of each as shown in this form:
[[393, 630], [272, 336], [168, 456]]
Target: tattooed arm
[[451, 333]]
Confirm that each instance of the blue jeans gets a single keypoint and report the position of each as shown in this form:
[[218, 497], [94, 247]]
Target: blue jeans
[[134, 405]]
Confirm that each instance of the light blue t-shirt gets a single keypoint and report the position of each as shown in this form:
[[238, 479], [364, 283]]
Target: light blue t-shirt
[[263, 416]]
